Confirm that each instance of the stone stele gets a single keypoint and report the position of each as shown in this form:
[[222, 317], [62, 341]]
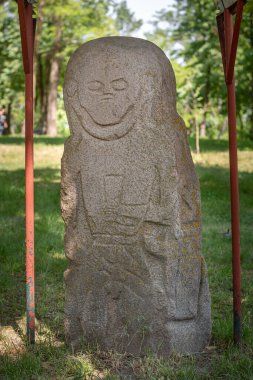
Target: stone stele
[[136, 280]]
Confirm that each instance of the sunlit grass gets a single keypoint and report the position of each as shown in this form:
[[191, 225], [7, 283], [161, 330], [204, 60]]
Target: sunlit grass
[[50, 358]]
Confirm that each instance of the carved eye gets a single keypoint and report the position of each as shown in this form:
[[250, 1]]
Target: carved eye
[[95, 86], [119, 84]]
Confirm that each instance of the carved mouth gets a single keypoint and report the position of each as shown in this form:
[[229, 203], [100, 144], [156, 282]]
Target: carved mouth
[[106, 98]]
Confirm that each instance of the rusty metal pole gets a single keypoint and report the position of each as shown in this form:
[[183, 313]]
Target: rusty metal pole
[[234, 187], [229, 42], [30, 280], [27, 28]]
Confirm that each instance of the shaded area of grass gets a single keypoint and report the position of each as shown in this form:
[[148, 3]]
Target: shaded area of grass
[[206, 145], [50, 358], [50, 260], [217, 249], [20, 140]]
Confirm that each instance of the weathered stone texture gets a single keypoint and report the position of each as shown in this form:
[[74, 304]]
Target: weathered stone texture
[[136, 279]]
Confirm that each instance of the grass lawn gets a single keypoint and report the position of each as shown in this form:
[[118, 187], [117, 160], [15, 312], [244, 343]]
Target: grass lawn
[[50, 358]]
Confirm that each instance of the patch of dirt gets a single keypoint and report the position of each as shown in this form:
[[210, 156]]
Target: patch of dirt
[[10, 341]]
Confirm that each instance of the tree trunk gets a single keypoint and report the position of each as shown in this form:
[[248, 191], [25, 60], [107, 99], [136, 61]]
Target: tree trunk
[[251, 116], [52, 97], [223, 128], [39, 23], [197, 137], [23, 128], [42, 85], [53, 82], [251, 85], [203, 129], [206, 101], [241, 121], [8, 120], [38, 77]]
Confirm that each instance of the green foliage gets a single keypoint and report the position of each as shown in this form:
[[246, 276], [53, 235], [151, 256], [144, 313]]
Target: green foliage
[[11, 67], [124, 19], [189, 33], [62, 26]]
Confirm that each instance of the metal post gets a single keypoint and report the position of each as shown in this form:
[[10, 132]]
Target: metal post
[[30, 285], [229, 42], [234, 189], [27, 40]]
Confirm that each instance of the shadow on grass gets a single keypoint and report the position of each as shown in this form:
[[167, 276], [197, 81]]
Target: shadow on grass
[[20, 140], [50, 261], [208, 145]]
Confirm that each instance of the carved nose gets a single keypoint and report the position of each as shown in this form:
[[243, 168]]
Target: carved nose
[[107, 89]]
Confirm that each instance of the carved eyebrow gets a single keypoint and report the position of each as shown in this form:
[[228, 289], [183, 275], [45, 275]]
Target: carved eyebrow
[[119, 79]]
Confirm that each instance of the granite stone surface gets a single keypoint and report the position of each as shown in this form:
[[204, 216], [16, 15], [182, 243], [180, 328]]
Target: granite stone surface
[[136, 280]]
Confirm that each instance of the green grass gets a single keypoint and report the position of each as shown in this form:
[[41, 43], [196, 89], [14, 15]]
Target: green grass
[[50, 358]]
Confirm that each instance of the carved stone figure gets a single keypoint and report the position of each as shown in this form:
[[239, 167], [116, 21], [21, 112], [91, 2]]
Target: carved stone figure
[[136, 280]]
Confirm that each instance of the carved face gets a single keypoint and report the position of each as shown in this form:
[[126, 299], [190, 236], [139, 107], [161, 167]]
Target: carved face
[[107, 92]]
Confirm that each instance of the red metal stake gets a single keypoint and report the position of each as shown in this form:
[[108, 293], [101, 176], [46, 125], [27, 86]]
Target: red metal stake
[[229, 42], [27, 40]]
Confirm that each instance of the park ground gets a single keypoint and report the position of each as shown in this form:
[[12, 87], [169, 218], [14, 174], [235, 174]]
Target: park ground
[[50, 358]]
